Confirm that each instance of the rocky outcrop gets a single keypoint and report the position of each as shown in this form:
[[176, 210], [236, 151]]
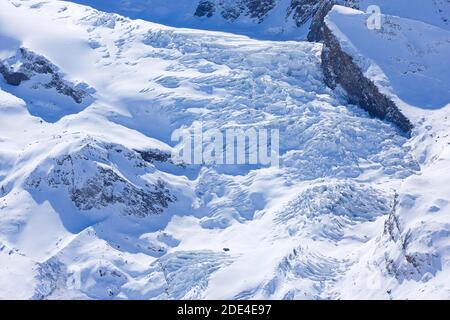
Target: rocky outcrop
[[340, 69], [300, 12], [319, 13], [255, 9], [12, 77], [317, 24], [153, 156], [26, 65], [401, 259], [101, 175], [206, 8], [258, 9]]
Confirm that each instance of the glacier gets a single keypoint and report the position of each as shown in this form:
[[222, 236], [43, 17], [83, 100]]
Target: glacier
[[93, 207]]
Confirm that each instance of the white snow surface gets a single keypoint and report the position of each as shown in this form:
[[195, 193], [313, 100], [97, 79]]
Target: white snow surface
[[435, 12], [408, 61], [355, 209]]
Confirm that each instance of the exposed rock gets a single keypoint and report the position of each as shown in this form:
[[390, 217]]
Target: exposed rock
[[100, 191], [52, 275], [93, 180], [232, 13], [402, 261], [255, 9], [392, 224], [25, 65], [185, 274], [205, 8], [319, 12], [303, 10], [155, 156], [11, 77], [316, 30], [299, 11], [334, 207], [259, 9], [340, 70]]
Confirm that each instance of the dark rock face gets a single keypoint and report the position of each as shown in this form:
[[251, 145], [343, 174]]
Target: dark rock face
[[94, 180], [99, 192], [258, 9], [405, 262], [26, 64], [319, 13], [317, 24], [11, 77], [303, 10], [255, 9], [205, 8], [300, 11], [340, 69]]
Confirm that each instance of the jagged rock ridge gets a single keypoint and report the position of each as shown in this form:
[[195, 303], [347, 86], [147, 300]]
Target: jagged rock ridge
[[25, 65], [93, 181]]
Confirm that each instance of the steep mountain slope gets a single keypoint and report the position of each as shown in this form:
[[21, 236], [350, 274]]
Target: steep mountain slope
[[409, 67], [269, 19], [414, 247], [265, 19], [434, 12], [92, 206]]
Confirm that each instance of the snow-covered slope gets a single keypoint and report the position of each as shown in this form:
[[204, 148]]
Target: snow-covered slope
[[411, 62], [434, 12], [264, 19], [92, 206], [411, 70], [269, 19]]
